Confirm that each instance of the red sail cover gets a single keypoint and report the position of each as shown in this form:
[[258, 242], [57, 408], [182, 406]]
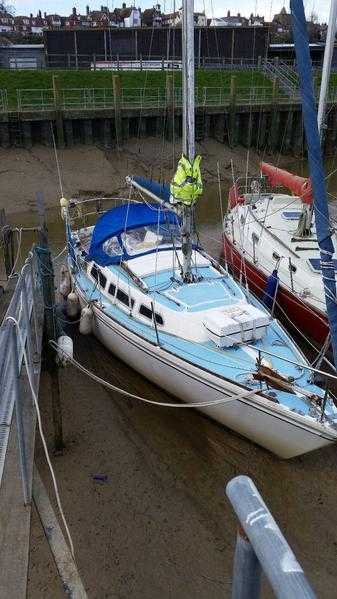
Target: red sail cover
[[298, 185], [234, 196]]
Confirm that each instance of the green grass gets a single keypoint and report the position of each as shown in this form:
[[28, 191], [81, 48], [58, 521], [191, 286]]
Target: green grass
[[13, 80], [332, 81]]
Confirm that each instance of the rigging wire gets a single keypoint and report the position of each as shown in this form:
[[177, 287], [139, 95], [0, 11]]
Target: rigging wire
[[58, 166]]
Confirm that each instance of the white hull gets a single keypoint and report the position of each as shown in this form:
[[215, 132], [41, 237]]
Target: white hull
[[268, 424]]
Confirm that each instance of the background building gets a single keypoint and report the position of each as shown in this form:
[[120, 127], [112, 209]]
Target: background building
[[64, 46]]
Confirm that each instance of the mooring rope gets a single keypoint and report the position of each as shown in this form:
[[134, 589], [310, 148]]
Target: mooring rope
[[199, 404], [43, 439]]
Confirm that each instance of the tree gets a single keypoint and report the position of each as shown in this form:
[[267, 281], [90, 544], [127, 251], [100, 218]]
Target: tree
[[6, 8]]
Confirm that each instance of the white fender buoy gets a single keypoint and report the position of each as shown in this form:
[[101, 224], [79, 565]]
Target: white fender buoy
[[65, 281], [86, 320], [64, 203], [65, 350], [73, 305]]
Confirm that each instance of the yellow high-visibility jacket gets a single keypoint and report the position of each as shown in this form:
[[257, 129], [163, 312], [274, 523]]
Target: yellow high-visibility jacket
[[186, 185]]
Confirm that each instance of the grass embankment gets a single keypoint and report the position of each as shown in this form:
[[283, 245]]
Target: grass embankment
[[332, 82], [14, 80]]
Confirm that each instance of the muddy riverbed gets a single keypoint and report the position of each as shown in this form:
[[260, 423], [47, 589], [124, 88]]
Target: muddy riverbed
[[160, 526]]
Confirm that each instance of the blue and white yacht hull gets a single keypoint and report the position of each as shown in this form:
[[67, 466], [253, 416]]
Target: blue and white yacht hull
[[281, 431]]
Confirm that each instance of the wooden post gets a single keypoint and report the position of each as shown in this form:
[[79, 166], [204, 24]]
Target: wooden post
[[232, 113], [136, 44], [169, 106], [199, 48], [51, 326], [275, 117], [58, 111], [168, 43], [117, 93], [288, 133], [75, 49], [105, 47], [7, 237], [233, 46]]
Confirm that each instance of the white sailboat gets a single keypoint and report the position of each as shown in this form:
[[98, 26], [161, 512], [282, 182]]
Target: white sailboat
[[171, 312], [268, 231]]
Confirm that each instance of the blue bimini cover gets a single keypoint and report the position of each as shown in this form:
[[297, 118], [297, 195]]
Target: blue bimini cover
[[161, 190], [118, 220]]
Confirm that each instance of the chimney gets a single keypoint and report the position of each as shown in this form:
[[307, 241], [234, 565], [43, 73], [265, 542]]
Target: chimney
[[74, 10], [39, 14], [45, 15], [31, 15], [228, 13], [88, 10], [123, 5], [239, 15]]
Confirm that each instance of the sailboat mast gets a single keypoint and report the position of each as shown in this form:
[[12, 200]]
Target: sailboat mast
[[329, 46], [188, 126], [315, 160], [188, 79]]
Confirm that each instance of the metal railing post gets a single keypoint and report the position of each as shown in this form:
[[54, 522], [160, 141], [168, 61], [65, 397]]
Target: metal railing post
[[19, 416], [246, 570], [276, 558], [27, 323], [31, 271]]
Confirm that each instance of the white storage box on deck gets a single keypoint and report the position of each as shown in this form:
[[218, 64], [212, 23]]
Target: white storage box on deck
[[236, 324]]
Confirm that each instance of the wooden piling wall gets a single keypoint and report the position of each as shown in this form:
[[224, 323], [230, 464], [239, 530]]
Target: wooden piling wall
[[271, 127]]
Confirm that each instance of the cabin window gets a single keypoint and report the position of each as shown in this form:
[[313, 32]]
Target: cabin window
[[147, 312], [276, 256], [101, 279], [94, 273], [125, 299], [112, 289], [159, 319], [112, 247], [150, 238], [98, 276]]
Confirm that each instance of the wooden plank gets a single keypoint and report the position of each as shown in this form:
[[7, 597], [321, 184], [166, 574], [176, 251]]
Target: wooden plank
[[14, 515], [65, 564]]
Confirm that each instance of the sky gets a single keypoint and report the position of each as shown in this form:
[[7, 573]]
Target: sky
[[216, 8]]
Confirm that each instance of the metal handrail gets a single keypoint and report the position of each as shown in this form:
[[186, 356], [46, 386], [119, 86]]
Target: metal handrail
[[22, 308], [98, 61], [35, 99], [262, 547], [152, 97]]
